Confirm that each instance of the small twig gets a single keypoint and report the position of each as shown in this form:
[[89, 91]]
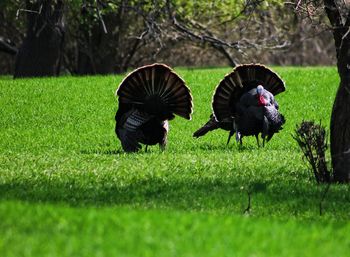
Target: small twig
[[247, 210], [27, 10], [142, 35], [7, 46], [298, 4], [100, 18], [344, 38], [41, 29], [323, 198]]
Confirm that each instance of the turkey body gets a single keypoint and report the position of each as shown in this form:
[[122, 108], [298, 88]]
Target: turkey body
[[254, 118], [148, 98], [133, 129]]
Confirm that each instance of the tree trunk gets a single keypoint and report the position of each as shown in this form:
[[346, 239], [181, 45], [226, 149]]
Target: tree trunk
[[340, 120], [340, 131], [41, 51]]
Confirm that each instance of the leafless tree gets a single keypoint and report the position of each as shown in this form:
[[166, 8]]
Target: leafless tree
[[245, 31]]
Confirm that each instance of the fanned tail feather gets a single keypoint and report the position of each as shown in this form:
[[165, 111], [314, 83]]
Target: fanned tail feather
[[242, 79], [157, 90]]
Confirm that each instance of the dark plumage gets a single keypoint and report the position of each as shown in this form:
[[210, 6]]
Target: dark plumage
[[149, 97], [244, 103]]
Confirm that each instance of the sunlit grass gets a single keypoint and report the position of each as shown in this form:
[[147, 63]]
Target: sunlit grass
[[67, 189]]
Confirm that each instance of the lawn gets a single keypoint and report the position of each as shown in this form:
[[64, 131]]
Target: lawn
[[67, 189]]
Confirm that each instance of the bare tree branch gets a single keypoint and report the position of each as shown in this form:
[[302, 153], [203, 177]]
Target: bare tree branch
[[335, 19], [7, 46], [28, 11], [100, 17]]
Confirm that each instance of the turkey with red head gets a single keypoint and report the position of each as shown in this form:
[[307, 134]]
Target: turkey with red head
[[149, 97], [244, 103]]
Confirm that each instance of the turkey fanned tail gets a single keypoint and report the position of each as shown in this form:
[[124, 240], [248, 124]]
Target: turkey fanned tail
[[148, 97], [242, 79]]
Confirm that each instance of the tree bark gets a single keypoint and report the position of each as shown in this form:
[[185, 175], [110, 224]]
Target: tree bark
[[340, 119], [340, 132], [41, 51]]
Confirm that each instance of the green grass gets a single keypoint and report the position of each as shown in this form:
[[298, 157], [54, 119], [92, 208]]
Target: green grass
[[67, 189]]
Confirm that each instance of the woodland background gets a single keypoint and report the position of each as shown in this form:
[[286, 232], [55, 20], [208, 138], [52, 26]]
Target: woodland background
[[102, 37]]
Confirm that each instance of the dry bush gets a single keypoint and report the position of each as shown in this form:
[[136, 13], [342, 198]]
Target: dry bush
[[312, 139]]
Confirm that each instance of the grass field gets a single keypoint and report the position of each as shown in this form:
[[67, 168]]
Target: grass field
[[67, 189]]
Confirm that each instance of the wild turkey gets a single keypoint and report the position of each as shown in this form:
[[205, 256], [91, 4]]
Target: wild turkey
[[148, 98], [244, 103]]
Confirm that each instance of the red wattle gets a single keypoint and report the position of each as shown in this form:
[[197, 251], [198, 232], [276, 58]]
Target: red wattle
[[261, 100]]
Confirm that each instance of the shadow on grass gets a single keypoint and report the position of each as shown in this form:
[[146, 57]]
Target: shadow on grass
[[104, 152], [204, 195], [204, 146], [121, 151], [224, 147]]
